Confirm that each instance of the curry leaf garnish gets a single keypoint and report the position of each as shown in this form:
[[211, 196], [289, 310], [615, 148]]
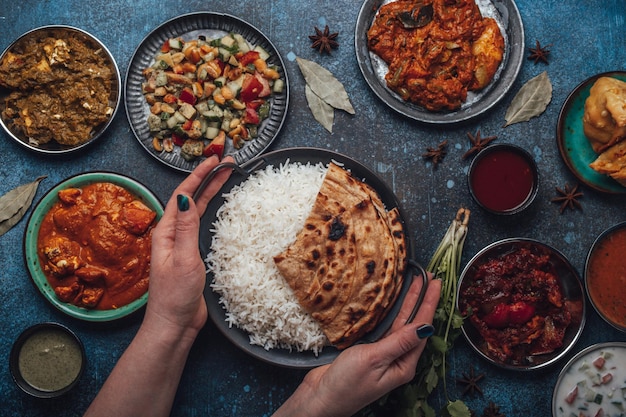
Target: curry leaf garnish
[[530, 101], [323, 112], [326, 87], [15, 203]]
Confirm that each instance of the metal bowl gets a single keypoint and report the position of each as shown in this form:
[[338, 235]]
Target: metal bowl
[[508, 322], [605, 269], [576, 384], [61, 32]]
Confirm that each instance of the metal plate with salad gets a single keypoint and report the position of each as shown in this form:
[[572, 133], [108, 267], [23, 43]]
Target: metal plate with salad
[[203, 84]]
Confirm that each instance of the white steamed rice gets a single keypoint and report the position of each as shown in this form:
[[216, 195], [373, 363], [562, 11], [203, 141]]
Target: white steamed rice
[[259, 219]]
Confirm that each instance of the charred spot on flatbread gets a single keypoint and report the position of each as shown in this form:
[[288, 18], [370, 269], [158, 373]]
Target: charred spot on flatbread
[[362, 252]]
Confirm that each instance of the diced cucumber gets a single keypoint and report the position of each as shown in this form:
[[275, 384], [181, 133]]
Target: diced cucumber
[[214, 115], [263, 54], [241, 42], [228, 41], [211, 132], [202, 107], [278, 86], [175, 44], [224, 54], [219, 81], [172, 122], [225, 124], [235, 87]]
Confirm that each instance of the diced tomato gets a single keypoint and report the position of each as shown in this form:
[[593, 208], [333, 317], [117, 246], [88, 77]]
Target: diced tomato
[[255, 104], [520, 312], [266, 91], [169, 98], [249, 57], [571, 397], [606, 378], [251, 117], [216, 146], [599, 362], [177, 139], [187, 125], [187, 96], [166, 46], [250, 88], [498, 317]]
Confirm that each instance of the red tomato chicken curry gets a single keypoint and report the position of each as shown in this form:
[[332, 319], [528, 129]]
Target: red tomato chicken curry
[[94, 246], [436, 50]]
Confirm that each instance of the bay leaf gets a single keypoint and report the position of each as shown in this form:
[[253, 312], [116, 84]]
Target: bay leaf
[[15, 203], [324, 84], [323, 112], [530, 101]]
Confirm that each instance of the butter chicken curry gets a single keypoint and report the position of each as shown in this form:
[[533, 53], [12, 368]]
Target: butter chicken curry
[[94, 246], [436, 50]]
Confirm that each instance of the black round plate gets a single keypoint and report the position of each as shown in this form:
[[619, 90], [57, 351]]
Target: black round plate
[[284, 357], [507, 15], [190, 26]]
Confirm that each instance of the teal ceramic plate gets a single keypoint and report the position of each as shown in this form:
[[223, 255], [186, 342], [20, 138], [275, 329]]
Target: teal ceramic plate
[[32, 231], [573, 144]]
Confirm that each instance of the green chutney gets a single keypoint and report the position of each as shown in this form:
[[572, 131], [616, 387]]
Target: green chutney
[[50, 360]]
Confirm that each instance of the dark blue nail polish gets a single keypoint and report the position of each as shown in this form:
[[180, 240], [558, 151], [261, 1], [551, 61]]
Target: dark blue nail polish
[[183, 202], [425, 330]]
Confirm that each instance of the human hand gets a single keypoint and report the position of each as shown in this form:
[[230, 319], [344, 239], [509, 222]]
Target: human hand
[[363, 373], [177, 271]]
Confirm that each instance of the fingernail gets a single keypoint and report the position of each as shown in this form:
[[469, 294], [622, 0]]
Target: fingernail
[[183, 202], [425, 330]]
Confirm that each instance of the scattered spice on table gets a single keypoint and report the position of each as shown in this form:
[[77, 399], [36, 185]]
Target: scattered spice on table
[[470, 380], [436, 155], [539, 53], [568, 198], [493, 410], [478, 143], [324, 41]]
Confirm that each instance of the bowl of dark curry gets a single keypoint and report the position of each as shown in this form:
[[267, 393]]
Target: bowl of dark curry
[[59, 89], [47, 360], [523, 304], [605, 275], [87, 245]]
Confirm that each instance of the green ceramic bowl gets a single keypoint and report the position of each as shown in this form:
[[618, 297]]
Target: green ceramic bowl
[[573, 144], [32, 231]]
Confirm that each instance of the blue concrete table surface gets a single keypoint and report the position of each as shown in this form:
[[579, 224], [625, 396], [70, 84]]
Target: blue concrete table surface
[[586, 37]]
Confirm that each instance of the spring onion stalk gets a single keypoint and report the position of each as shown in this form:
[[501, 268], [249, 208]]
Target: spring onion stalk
[[411, 400], [446, 265]]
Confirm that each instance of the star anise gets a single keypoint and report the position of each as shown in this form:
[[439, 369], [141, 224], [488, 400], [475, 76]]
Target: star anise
[[478, 143], [470, 380], [437, 154], [568, 198], [539, 53], [492, 410], [324, 41]]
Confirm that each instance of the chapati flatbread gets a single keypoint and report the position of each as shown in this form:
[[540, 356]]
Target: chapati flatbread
[[346, 264]]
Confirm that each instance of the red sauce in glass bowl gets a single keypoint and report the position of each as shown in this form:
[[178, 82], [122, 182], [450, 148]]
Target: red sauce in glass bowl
[[605, 276], [503, 179]]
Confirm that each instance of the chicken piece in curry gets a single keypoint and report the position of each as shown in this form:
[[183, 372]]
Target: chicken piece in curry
[[436, 50], [94, 246]]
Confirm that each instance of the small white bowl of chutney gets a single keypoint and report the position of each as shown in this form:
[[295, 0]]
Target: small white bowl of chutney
[[47, 360]]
